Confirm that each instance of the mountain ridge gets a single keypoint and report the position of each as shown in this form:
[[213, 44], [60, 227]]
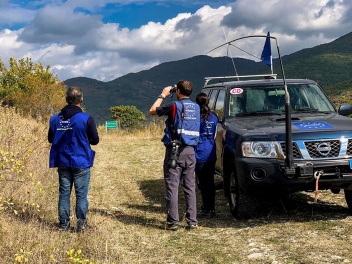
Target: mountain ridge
[[329, 64]]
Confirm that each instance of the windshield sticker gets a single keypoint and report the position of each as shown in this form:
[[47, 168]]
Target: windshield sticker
[[312, 125], [236, 91]]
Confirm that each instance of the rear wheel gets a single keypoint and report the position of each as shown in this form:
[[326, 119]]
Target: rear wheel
[[348, 197], [242, 205], [226, 176], [233, 194], [226, 185]]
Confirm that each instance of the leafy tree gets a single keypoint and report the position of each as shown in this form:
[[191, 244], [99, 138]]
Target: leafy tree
[[31, 88], [127, 115]]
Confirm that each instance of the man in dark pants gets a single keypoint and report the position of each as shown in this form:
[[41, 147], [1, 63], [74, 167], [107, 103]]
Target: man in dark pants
[[181, 137], [71, 133]]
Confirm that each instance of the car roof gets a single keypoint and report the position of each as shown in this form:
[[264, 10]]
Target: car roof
[[260, 82]]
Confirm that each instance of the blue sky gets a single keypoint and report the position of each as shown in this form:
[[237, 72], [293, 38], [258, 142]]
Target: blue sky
[[135, 15], [105, 39]]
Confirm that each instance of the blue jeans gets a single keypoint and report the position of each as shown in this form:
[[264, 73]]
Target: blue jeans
[[80, 179]]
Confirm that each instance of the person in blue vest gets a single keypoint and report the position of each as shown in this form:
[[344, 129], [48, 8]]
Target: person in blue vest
[[206, 157], [71, 133], [180, 139]]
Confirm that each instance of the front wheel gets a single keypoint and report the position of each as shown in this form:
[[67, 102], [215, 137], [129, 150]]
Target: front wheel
[[348, 197], [242, 205]]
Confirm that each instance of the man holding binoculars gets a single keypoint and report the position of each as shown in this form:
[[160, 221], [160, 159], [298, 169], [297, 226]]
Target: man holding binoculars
[[181, 137]]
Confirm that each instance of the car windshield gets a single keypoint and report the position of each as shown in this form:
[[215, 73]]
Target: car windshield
[[263, 100]]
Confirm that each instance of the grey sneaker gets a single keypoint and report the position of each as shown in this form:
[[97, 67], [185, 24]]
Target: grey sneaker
[[82, 225], [171, 227], [64, 225], [191, 227]]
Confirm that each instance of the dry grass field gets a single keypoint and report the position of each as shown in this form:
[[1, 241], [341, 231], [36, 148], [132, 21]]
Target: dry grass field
[[127, 211]]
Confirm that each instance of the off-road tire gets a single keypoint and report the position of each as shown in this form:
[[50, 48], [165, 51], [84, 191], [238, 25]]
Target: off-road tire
[[242, 205], [348, 197], [226, 185], [228, 163]]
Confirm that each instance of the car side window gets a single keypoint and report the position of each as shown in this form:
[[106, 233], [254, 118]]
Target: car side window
[[212, 98], [206, 92], [219, 105]]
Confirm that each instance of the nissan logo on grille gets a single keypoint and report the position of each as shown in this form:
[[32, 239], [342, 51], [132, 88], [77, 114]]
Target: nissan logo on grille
[[323, 149]]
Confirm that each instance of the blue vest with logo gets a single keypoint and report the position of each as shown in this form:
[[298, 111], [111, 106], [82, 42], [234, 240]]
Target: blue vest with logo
[[206, 148], [70, 147], [184, 125]]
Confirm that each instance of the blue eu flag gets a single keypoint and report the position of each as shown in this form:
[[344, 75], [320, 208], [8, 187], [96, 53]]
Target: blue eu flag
[[266, 53]]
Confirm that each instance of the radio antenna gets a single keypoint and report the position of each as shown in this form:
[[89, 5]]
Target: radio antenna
[[229, 51]]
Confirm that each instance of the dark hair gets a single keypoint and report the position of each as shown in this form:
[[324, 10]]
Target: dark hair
[[74, 95], [185, 87], [203, 100]]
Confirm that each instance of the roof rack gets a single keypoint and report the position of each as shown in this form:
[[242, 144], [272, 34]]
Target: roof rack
[[266, 76]]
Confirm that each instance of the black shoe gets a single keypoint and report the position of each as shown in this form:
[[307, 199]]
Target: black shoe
[[203, 214], [212, 214], [64, 225], [171, 227], [82, 225], [206, 214], [191, 227]]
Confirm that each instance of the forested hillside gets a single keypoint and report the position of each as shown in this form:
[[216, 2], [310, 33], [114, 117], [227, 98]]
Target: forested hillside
[[140, 89], [330, 64]]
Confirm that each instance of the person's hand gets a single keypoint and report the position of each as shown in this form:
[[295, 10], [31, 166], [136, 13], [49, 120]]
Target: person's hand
[[166, 91]]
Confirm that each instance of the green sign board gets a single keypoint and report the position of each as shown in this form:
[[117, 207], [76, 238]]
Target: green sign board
[[110, 125]]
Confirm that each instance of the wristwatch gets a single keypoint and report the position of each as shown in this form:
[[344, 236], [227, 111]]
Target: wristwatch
[[161, 97]]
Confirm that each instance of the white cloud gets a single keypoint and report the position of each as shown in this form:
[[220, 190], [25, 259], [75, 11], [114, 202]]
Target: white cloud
[[78, 44], [304, 21]]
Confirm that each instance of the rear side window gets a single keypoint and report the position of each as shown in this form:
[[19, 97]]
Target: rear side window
[[219, 105], [212, 98], [206, 92]]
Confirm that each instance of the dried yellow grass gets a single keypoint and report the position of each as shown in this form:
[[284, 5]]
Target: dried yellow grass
[[127, 211]]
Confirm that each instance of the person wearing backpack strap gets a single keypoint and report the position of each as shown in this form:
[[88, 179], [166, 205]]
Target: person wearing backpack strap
[[180, 139]]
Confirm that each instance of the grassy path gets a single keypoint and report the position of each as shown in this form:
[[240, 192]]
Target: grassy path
[[127, 213], [128, 210]]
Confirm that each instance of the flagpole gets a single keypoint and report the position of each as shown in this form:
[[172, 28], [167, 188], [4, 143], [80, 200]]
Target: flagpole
[[271, 64], [289, 162]]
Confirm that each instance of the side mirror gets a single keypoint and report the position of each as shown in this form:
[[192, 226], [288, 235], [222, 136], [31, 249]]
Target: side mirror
[[345, 109]]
